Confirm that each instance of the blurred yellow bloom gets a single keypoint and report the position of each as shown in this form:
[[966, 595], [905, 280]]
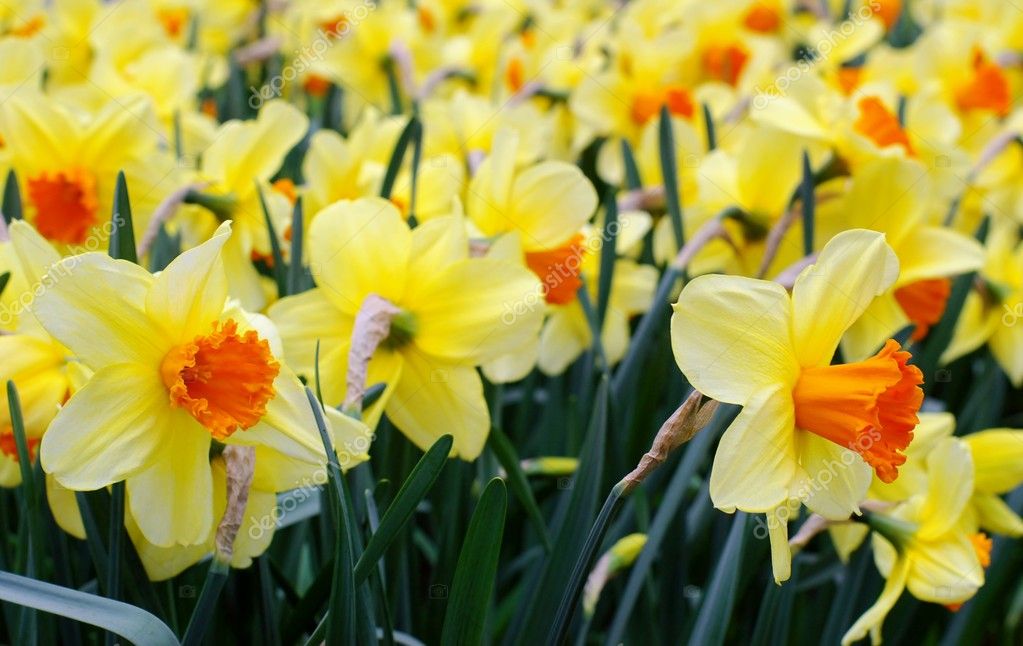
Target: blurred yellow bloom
[[747, 342], [921, 544]]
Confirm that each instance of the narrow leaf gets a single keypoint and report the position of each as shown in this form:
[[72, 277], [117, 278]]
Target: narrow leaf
[[134, 624], [473, 584], [411, 131], [716, 611], [280, 277], [122, 234], [608, 256], [11, 205], [669, 173], [412, 492], [809, 202], [296, 271], [509, 460]]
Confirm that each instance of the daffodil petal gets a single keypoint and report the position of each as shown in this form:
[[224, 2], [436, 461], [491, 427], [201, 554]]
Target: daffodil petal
[[188, 296], [832, 479], [108, 431], [997, 459], [730, 336], [90, 308], [172, 498], [853, 268], [433, 398], [755, 460], [949, 492], [357, 248]]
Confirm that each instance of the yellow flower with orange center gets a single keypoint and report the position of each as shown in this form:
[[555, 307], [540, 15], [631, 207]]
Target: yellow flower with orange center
[[748, 342], [176, 368]]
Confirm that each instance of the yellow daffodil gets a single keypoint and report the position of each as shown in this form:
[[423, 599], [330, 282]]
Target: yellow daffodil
[[994, 306], [809, 431], [892, 195], [173, 373], [921, 544], [244, 155], [454, 313], [67, 168]]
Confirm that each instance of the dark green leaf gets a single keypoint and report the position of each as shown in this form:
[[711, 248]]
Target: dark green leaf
[[509, 460], [473, 585], [122, 233], [669, 173], [412, 131], [716, 611], [11, 205], [279, 272]]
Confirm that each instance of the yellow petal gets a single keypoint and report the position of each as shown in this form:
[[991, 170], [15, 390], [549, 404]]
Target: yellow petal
[[937, 252], [489, 195], [438, 243], [731, 338], [550, 202], [475, 310], [974, 327], [188, 296], [832, 479], [755, 461], [882, 319], [871, 620], [1005, 344], [304, 319], [64, 506], [434, 398], [172, 498], [564, 337], [357, 248], [997, 459], [110, 429], [781, 553], [949, 487], [91, 308], [853, 268], [993, 515], [35, 254], [846, 537], [945, 571]]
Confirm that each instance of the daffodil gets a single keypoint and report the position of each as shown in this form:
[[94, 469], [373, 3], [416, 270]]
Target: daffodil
[[242, 158], [993, 308], [891, 194], [174, 372], [67, 167], [920, 544], [453, 314], [809, 431]]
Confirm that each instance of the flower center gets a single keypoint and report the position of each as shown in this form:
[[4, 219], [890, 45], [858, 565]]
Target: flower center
[[924, 302], [987, 90], [868, 406], [9, 446], [558, 269], [725, 62], [762, 18], [223, 379], [647, 103], [515, 74], [887, 10], [65, 204], [402, 331], [173, 20], [880, 125]]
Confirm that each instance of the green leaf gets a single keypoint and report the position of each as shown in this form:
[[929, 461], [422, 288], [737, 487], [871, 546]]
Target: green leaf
[[473, 584], [574, 527], [413, 131], [4, 279], [775, 615], [11, 204], [412, 492], [134, 624], [632, 177], [519, 483], [643, 340], [716, 611], [280, 277], [809, 202], [30, 508], [708, 120], [583, 563], [200, 623], [296, 271], [608, 256], [669, 171], [341, 619], [692, 459], [122, 234]]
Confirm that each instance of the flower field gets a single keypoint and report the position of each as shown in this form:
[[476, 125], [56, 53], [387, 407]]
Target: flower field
[[511, 322]]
